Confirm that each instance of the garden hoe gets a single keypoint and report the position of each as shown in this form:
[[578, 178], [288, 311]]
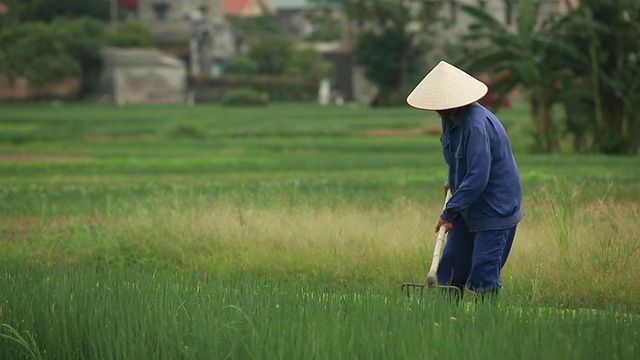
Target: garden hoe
[[432, 278]]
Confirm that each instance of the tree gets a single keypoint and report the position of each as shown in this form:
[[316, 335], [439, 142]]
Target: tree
[[242, 65], [608, 35], [532, 57], [46, 52], [34, 50], [310, 63], [48, 10], [327, 26], [394, 37], [272, 54], [278, 55], [69, 32], [83, 39], [381, 54], [586, 60]]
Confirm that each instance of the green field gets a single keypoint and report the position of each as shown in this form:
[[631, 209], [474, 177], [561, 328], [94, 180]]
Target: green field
[[283, 232]]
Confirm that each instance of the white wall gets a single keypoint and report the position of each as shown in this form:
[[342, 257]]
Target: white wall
[[153, 84]]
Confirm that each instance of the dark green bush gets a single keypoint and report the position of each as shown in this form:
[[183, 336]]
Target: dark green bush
[[277, 88], [244, 97]]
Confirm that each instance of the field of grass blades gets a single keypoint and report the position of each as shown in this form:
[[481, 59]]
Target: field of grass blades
[[204, 232], [84, 312], [567, 253]]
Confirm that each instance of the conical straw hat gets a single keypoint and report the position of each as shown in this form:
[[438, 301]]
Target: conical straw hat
[[446, 87]]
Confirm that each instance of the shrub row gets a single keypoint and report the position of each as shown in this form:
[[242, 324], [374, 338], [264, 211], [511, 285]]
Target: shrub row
[[275, 88]]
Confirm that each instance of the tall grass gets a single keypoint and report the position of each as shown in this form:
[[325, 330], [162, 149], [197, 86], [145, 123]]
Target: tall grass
[[159, 314], [586, 255], [579, 253]]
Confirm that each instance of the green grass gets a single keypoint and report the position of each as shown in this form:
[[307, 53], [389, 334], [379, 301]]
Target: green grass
[[184, 232], [160, 314]]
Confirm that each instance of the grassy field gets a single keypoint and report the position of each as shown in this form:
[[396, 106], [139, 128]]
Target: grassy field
[[283, 232]]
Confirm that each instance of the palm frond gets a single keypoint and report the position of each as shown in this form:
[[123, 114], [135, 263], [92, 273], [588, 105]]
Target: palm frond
[[528, 15], [483, 19]]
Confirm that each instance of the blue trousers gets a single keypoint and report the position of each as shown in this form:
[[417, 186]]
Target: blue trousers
[[474, 259]]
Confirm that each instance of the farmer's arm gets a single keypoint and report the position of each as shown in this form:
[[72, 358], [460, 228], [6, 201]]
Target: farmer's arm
[[478, 155]]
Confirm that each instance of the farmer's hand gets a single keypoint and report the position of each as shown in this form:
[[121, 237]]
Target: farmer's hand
[[446, 187], [442, 222]]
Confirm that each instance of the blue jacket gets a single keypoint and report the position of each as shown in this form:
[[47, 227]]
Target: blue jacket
[[483, 175]]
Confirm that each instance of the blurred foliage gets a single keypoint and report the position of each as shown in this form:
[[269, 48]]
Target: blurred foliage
[[84, 41], [48, 10], [607, 35], [258, 24], [327, 26], [392, 38], [244, 97], [278, 55], [530, 56], [25, 45], [242, 65], [130, 33], [585, 60], [72, 47], [286, 88], [309, 63], [383, 66], [277, 88], [272, 54]]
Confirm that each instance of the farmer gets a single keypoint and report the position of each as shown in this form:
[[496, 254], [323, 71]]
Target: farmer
[[485, 207]]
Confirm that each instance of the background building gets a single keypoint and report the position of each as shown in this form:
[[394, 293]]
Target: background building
[[138, 75]]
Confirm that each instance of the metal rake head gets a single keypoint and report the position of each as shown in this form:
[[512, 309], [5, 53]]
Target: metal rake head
[[410, 288]]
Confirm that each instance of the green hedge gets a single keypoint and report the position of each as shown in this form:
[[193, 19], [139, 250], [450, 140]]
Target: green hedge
[[277, 88], [244, 97]]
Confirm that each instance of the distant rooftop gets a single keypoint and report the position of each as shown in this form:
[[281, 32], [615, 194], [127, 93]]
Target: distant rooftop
[[290, 4], [242, 7]]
